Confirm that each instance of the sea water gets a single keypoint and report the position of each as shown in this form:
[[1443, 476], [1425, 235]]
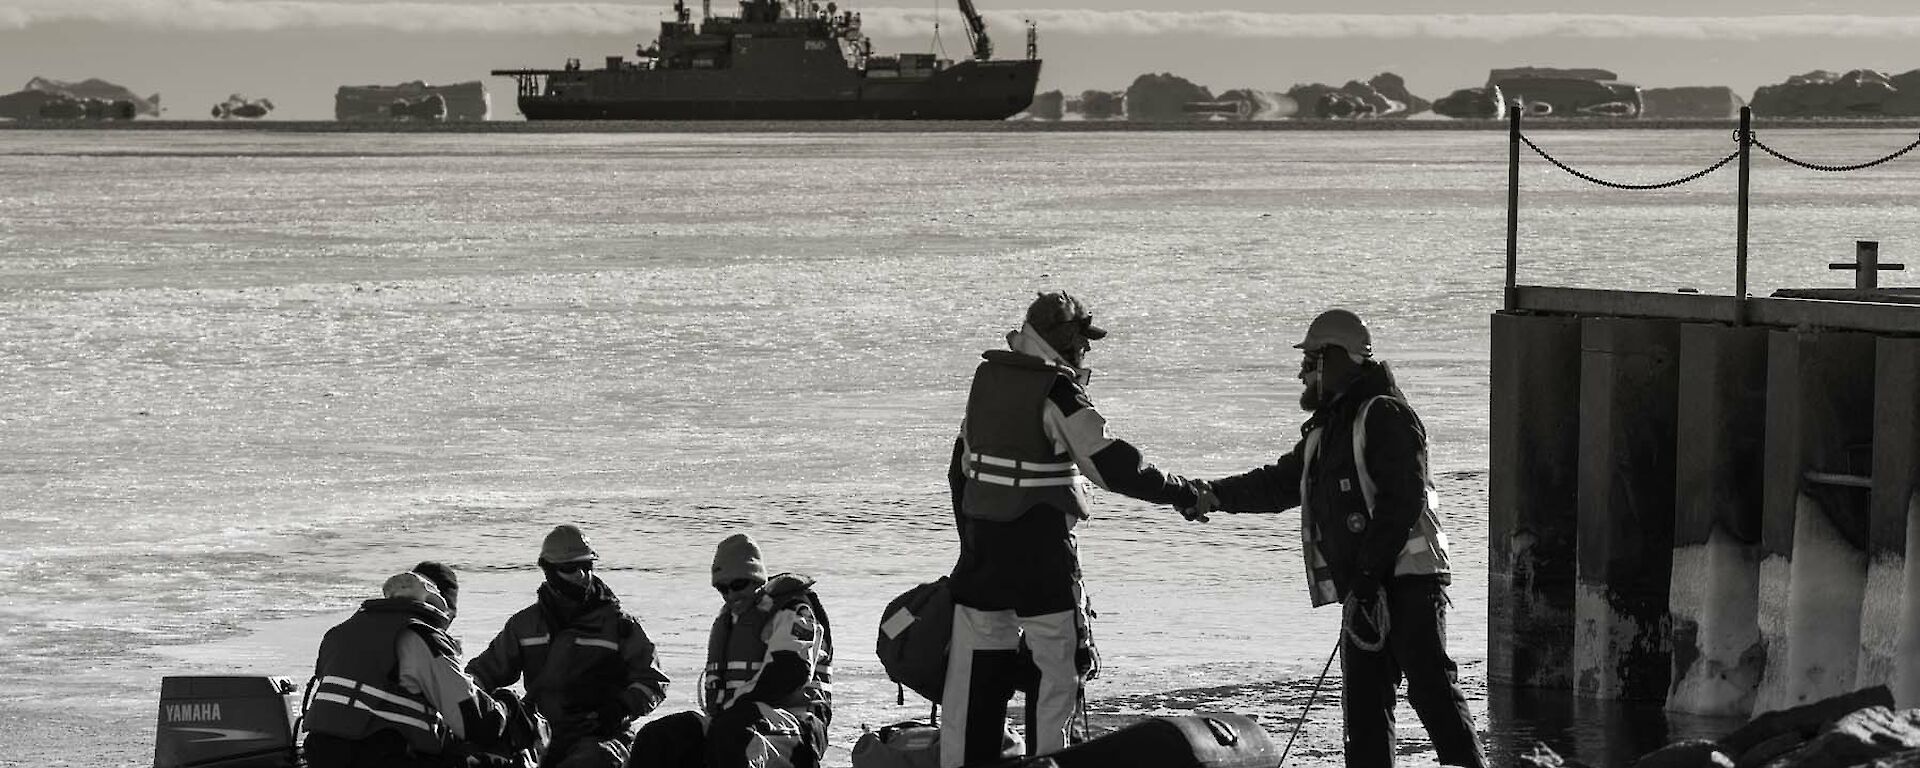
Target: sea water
[[247, 376]]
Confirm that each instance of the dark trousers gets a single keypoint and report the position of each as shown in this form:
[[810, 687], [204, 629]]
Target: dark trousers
[[1417, 649]]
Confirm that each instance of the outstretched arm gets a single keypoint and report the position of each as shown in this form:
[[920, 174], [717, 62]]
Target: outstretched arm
[[1110, 462], [1272, 488]]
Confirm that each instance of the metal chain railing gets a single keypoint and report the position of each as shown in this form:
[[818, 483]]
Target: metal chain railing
[[1619, 185], [1745, 140], [1833, 168]]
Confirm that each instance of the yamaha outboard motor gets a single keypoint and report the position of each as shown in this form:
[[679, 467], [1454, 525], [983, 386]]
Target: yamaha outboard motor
[[227, 722]]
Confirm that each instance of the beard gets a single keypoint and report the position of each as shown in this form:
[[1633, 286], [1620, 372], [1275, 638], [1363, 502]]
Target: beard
[[1310, 394]]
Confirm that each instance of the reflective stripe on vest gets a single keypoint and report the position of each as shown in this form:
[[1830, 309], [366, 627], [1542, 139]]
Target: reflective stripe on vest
[[1024, 474], [417, 722], [1425, 552], [356, 692], [736, 653], [1011, 465]]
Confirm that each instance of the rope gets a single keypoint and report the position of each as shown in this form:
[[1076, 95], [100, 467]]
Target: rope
[[1374, 614], [1617, 185], [1835, 168], [1310, 697]]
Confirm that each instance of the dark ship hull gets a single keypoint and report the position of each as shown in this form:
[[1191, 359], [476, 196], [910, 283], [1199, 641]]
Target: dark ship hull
[[969, 90], [781, 60]]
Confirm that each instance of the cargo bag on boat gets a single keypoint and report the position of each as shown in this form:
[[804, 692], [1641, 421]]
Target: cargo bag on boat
[[1193, 741]]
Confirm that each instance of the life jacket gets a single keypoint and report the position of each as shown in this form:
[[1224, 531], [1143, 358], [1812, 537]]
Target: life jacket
[[1010, 464], [737, 650], [578, 666], [356, 687], [1425, 552]]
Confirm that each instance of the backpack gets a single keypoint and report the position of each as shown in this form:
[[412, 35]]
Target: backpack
[[914, 632]]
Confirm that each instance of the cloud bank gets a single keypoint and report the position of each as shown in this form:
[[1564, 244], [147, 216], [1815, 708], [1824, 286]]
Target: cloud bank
[[627, 18]]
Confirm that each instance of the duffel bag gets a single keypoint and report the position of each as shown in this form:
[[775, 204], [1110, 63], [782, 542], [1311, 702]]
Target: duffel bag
[[1191, 741]]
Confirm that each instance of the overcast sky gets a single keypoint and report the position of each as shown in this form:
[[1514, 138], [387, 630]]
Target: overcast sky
[[296, 52]]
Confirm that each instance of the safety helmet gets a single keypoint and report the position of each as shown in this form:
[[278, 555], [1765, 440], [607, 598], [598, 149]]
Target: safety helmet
[[1340, 328], [566, 544]]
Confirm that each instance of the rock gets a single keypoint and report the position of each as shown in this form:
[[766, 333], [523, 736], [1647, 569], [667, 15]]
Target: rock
[[1861, 92], [463, 102], [1162, 98], [1262, 105], [1472, 103], [1098, 105], [91, 99], [1050, 105], [240, 106], [1394, 87], [431, 108], [1863, 736], [1694, 753], [1805, 721], [1385, 95], [1571, 97], [1699, 102], [1515, 73]]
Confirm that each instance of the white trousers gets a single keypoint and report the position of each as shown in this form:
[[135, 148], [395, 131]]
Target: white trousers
[[1051, 637]]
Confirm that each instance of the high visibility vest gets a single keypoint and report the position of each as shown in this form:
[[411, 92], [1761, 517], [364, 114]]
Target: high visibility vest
[[356, 690], [1010, 464], [1425, 552], [737, 651]]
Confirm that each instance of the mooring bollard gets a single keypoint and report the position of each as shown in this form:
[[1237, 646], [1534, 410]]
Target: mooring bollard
[[1866, 265]]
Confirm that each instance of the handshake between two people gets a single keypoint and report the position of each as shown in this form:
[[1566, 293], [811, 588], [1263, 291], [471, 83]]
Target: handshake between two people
[[1204, 504]]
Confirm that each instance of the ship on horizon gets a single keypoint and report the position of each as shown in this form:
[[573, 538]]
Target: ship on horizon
[[782, 60]]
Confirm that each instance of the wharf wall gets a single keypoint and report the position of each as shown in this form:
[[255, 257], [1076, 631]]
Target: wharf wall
[[1703, 501]]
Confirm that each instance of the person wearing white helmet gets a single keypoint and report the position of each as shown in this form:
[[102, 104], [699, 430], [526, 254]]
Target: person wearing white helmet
[[590, 669], [1372, 540], [1029, 445], [387, 688]]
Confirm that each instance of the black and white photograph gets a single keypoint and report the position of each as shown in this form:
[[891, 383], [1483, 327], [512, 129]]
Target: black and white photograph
[[959, 384]]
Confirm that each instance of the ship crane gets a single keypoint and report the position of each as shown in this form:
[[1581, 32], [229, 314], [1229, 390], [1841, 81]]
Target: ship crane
[[976, 31]]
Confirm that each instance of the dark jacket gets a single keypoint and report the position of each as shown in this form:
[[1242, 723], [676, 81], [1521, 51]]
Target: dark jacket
[[1396, 455], [577, 655]]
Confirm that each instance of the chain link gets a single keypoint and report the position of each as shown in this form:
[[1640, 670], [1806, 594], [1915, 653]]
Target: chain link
[[1834, 168], [1617, 185]]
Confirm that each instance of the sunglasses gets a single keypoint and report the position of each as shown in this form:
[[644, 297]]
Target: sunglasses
[[735, 586], [583, 565]]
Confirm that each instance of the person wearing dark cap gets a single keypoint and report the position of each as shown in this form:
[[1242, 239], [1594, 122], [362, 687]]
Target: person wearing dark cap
[[590, 669], [1372, 541], [1030, 441], [444, 579], [388, 691], [767, 693]]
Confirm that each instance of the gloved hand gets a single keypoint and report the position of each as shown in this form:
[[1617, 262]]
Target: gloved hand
[[1204, 502]]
